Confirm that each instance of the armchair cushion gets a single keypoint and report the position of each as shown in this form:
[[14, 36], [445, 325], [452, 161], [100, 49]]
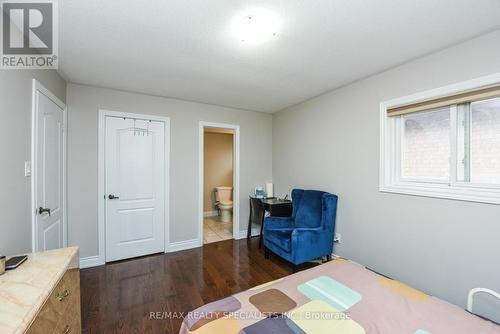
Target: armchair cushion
[[307, 236], [281, 238]]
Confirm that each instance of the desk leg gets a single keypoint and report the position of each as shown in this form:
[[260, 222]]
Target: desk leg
[[249, 230], [261, 230]]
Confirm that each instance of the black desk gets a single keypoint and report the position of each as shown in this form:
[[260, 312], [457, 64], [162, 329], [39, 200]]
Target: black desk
[[278, 207]]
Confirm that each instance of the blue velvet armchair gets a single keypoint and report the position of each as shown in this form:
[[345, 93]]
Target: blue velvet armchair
[[308, 233]]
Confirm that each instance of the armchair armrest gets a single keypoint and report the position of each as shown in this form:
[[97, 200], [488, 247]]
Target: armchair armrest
[[302, 231], [278, 222], [312, 236]]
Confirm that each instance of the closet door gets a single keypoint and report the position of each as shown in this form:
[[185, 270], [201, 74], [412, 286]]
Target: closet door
[[134, 187], [49, 230]]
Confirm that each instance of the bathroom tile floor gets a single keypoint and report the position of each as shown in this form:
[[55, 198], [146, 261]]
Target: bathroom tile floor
[[214, 230]]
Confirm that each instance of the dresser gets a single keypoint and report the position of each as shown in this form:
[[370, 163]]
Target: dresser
[[42, 296]]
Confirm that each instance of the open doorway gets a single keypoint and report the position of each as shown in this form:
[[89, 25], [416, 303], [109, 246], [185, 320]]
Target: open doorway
[[218, 182]]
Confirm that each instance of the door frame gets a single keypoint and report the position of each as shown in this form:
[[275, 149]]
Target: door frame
[[101, 205], [37, 86], [236, 176]]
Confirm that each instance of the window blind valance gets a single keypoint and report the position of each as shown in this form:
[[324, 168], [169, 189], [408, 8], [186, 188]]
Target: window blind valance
[[482, 93]]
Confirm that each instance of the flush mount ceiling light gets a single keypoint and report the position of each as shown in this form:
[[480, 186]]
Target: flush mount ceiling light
[[255, 26]]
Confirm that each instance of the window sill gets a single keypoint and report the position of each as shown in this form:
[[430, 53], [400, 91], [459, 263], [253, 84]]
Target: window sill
[[453, 192]]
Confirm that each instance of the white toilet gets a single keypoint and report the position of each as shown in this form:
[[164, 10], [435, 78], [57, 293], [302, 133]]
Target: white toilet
[[223, 196]]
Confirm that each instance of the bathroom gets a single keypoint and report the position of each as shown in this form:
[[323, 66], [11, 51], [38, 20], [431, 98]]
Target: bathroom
[[218, 175]]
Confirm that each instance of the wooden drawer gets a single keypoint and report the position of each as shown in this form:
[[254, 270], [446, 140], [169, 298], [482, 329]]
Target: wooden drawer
[[63, 302], [70, 322]]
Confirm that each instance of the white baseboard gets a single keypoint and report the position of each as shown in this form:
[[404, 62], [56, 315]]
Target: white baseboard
[[183, 245], [210, 214], [255, 232], [94, 261], [90, 261]]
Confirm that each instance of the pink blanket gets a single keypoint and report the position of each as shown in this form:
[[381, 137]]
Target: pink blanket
[[337, 297]]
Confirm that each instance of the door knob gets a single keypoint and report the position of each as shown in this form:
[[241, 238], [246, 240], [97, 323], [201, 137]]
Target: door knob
[[42, 210], [111, 196]]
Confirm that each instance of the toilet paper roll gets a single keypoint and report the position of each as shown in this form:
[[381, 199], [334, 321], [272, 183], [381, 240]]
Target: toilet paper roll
[[269, 189]]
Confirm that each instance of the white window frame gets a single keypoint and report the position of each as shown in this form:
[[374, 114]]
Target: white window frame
[[390, 178]]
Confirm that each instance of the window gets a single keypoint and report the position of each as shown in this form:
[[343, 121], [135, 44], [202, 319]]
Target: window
[[426, 145], [485, 142], [445, 143]]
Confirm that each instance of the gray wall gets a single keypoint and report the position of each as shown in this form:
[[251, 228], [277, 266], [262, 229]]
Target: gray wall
[[15, 149], [83, 105], [331, 142]]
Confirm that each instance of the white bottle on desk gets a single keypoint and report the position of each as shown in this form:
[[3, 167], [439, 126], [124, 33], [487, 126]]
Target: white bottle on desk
[[269, 189]]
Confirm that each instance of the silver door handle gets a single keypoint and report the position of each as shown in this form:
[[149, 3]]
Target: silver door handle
[[111, 196], [42, 210]]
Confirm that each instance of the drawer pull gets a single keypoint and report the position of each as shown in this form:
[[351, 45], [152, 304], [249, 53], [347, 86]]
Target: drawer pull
[[66, 330], [61, 296]]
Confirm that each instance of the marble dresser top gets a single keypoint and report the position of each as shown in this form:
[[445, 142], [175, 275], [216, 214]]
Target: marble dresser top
[[23, 291]]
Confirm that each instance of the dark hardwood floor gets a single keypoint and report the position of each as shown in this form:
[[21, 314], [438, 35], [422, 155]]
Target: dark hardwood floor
[[118, 297]]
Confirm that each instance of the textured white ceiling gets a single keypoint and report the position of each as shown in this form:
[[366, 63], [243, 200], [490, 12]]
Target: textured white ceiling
[[184, 49]]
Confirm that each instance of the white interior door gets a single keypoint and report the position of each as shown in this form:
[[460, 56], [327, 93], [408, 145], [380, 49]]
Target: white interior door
[[134, 187], [49, 220]]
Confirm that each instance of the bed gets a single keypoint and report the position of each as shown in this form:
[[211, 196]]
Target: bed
[[340, 296]]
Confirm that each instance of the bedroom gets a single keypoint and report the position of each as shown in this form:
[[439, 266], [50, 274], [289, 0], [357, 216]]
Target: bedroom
[[309, 89]]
